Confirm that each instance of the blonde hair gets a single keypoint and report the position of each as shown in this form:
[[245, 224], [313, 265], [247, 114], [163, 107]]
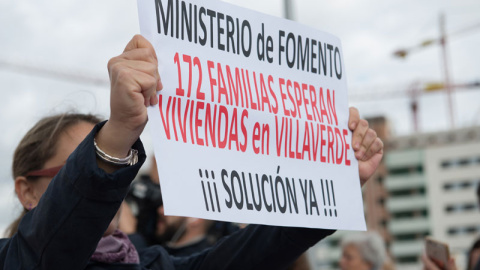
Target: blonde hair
[[39, 145]]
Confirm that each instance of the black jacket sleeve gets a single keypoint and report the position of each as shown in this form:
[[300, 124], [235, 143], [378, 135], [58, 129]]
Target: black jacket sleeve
[[62, 232], [255, 247]]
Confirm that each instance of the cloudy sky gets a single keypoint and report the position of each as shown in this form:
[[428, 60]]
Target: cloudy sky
[[53, 57]]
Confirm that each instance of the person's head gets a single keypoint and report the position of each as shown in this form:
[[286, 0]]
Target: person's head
[[175, 229], [180, 230], [363, 251], [41, 153], [168, 227], [474, 255]]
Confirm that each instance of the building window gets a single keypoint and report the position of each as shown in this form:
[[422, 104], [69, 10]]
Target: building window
[[406, 170], [407, 259], [453, 231], [463, 230], [461, 208], [460, 162], [407, 192], [446, 164], [410, 214], [456, 186]]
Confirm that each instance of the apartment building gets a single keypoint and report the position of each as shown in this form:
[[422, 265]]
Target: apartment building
[[425, 186], [432, 186]]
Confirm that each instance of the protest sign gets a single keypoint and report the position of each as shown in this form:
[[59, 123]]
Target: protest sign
[[251, 124]]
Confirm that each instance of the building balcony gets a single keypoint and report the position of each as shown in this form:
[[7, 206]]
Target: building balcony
[[407, 248], [402, 182], [404, 158], [409, 226], [407, 203]]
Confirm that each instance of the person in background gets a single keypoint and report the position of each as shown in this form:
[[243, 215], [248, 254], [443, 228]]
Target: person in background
[[180, 236], [73, 187], [140, 209], [144, 221], [429, 264], [473, 262], [474, 256], [363, 251], [187, 235]]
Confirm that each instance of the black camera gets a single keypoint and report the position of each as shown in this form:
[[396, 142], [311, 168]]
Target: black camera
[[144, 198]]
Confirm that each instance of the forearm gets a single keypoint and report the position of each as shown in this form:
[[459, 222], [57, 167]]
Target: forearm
[[76, 209], [256, 247]]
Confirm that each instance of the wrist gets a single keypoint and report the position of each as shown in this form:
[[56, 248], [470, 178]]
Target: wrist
[[116, 139]]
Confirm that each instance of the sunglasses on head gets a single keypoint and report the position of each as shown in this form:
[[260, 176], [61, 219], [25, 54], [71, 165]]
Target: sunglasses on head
[[50, 172]]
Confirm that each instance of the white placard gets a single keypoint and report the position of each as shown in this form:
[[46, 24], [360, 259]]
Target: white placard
[[252, 121]]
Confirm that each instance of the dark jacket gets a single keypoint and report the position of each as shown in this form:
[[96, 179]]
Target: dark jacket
[[62, 232], [477, 266], [191, 248]]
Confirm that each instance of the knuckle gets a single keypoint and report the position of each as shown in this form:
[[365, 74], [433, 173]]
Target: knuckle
[[376, 146], [363, 147], [152, 80], [153, 69], [148, 53], [149, 82], [121, 73], [372, 133], [379, 142], [111, 63], [363, 123]]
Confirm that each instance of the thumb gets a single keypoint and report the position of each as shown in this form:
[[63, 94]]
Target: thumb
[[138, 42]]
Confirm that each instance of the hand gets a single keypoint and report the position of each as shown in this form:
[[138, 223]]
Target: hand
[[429, 264], [367, 146], [134, 81]]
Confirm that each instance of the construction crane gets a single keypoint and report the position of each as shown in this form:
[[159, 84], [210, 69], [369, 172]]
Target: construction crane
[[413, 91], [447, 85]]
